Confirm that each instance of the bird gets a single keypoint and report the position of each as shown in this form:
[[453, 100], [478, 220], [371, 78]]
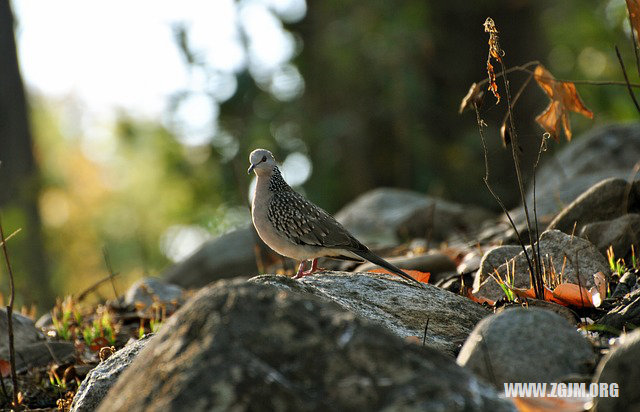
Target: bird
[[296, 228]]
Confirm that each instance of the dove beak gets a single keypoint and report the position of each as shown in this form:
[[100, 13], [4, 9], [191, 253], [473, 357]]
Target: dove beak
[[251, 169]]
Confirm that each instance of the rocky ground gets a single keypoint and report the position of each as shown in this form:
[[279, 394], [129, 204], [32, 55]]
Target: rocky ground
[[233, 339]]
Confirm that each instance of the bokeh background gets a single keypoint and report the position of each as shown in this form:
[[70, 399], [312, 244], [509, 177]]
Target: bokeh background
[[125, 126]]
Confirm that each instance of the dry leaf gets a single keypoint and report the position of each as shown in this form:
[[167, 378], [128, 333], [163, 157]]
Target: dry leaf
[[477, 299], [570, 294], [473, 98], [634, 14], [564, 98], [416, 274], [5, 368], [599, 291], [544, 404], [494, 52]]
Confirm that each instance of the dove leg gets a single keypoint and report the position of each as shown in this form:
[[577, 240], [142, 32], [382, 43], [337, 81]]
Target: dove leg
[[300, 273], [314, 268]]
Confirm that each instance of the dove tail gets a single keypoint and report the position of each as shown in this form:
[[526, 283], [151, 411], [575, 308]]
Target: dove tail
[[373, 258]]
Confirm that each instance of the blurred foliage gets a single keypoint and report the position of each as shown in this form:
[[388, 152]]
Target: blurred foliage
[[382, 82]]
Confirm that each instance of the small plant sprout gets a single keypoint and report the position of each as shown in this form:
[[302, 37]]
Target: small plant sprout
[[617, 266], [508, 283]]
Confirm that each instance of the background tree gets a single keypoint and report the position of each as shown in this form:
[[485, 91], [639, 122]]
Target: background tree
[[19, 177]]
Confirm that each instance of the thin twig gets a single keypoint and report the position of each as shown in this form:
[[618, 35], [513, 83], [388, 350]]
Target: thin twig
[[535, 268], [543, 147], [635, 45], [94, 286], [515, 100], [424, 337], [112, 275], [525, 68], [485, 179], [12, 354], [626, 79]]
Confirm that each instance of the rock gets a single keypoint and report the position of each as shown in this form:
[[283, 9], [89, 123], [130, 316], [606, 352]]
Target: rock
[[626, 284], [239, 346], [97, 383], [42, 353], [620, 366], [229, 255], [625, 314], [526, 345], [402, 308], [492, 260], [146, 291], [24, 332], [609, 199], [582, 257], [620, 233], [601, 153], [377, 217], [433, 262]]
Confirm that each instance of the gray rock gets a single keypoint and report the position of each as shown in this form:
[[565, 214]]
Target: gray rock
[[42, 353], [620, 366], [604, 152], [608, 199], [492, 260], [581, 258], [433, 262], [624, 315], [97, 383], [239, 346], [526, 345], [146, 291], [24, 332], [377, 217], [402, 308], [227, 256], [620, 233]]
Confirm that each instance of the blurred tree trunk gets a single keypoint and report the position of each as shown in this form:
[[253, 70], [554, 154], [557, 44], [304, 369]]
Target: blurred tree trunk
[[19, 179]]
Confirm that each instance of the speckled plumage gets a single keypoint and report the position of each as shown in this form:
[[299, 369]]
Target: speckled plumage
[[294, 227]]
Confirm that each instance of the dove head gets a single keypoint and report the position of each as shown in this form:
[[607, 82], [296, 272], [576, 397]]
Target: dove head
[[262, 162]]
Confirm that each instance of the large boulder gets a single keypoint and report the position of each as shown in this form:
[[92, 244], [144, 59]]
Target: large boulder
[[526, 345], [100, 379], [24, 332], [619, 371], [619, 233], [601, 153], [403, 308], [239, 346], [382, 216], [147, 291], [227, 256], [608, 199], [563, 254]]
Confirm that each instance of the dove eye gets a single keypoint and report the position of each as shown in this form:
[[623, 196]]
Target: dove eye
[[264, 158]]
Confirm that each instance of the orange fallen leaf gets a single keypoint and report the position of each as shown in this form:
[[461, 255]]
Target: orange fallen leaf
[[545, 404], [573, 295], [416, 274], [5, 368], [478, 299], [564, 98]]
